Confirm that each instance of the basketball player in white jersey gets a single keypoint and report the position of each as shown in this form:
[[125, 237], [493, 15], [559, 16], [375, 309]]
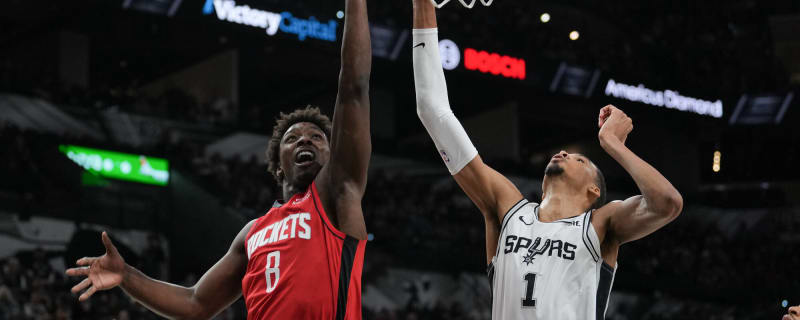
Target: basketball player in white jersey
[[555, 259]]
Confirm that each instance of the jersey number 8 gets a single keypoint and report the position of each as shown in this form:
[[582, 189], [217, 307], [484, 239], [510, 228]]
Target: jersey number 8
[[273, 268]]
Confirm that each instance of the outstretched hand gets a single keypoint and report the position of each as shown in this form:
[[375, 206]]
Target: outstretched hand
[[102, 273], [613, 124]]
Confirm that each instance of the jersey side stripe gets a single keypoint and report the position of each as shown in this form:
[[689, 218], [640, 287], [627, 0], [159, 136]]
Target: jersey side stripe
[[349, 247], [604, 290], [490, 273], [585, 237]]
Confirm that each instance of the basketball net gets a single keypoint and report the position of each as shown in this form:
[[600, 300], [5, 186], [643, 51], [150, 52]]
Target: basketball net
[[465, 3]]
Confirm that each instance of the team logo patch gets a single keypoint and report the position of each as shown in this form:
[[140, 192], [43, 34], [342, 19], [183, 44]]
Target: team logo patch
[[535, 250], [444, 156]]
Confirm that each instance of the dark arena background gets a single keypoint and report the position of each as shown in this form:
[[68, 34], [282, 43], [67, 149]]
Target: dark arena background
[[149, 119]]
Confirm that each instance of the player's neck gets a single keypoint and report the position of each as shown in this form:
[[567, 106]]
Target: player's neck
[[561, 202], [289, 190]]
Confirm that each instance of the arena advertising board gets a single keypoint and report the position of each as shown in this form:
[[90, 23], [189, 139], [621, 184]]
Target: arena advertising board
[[667, 98], [272, 22], [572, 80], [121, 166], [492, 63]]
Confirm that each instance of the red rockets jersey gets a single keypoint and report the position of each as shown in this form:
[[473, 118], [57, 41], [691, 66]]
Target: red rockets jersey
[[301, 267]]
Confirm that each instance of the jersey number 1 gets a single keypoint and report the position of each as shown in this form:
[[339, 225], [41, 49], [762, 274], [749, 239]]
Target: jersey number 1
[[530, 283], [273, 269]]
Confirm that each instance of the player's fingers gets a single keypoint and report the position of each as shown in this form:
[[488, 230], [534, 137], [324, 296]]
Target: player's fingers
[[76, 272], [79, 287], [606, 110], [603, 116], [107, 243], [85, 261], [88, 293]]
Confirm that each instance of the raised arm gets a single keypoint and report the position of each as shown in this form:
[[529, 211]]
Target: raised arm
[[491, 192], [343, 181], [219, 287], [643, 214]]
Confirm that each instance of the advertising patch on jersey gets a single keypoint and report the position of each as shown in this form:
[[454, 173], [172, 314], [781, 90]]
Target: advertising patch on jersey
[[444, 156]]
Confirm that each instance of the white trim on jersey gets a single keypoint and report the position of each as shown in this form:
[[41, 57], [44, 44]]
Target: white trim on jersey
[[587, 241]]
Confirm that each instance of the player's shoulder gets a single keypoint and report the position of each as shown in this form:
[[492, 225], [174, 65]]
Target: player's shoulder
[[521, 207], [601, 216], [607, 210], [241, 237]]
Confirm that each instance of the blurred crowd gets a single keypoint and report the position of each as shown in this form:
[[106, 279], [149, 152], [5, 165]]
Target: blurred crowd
[[32, 289], [416, 218]]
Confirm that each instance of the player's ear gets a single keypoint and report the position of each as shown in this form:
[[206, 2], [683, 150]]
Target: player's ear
[[279, 174], [594, 190]]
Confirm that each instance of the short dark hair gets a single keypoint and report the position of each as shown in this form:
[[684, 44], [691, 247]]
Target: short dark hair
[[600, 180], [284, 122]]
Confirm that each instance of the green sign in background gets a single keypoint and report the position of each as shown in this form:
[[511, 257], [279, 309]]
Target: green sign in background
[[117, 165]]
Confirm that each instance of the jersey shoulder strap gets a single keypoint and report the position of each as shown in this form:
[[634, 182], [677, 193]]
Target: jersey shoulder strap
[[513, 211], [588, 241]]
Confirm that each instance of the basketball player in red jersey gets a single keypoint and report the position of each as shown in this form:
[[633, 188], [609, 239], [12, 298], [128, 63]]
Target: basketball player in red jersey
[[303, 259]]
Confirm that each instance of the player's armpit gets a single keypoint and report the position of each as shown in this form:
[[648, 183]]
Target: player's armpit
[[491, 192], [633, 219]]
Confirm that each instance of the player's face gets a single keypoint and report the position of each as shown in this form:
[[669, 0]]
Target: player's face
[[794, 313], [575, 167], [304, 150]]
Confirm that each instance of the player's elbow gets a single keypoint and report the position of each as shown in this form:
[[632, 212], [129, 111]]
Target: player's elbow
[[671, 205], [423, 112], [194, 309], [199, 313]]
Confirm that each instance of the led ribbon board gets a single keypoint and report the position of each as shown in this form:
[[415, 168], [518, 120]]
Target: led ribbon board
[[117, 165], [228, 10], [667, 98]]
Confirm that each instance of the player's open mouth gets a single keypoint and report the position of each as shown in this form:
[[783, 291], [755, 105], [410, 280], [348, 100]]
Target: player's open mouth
[[304, 158], [786, 317]]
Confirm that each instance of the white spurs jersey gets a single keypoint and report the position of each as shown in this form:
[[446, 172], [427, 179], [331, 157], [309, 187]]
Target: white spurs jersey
[[548, 270]]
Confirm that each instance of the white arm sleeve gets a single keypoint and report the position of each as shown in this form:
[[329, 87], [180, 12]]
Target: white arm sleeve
[[433, 108]]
